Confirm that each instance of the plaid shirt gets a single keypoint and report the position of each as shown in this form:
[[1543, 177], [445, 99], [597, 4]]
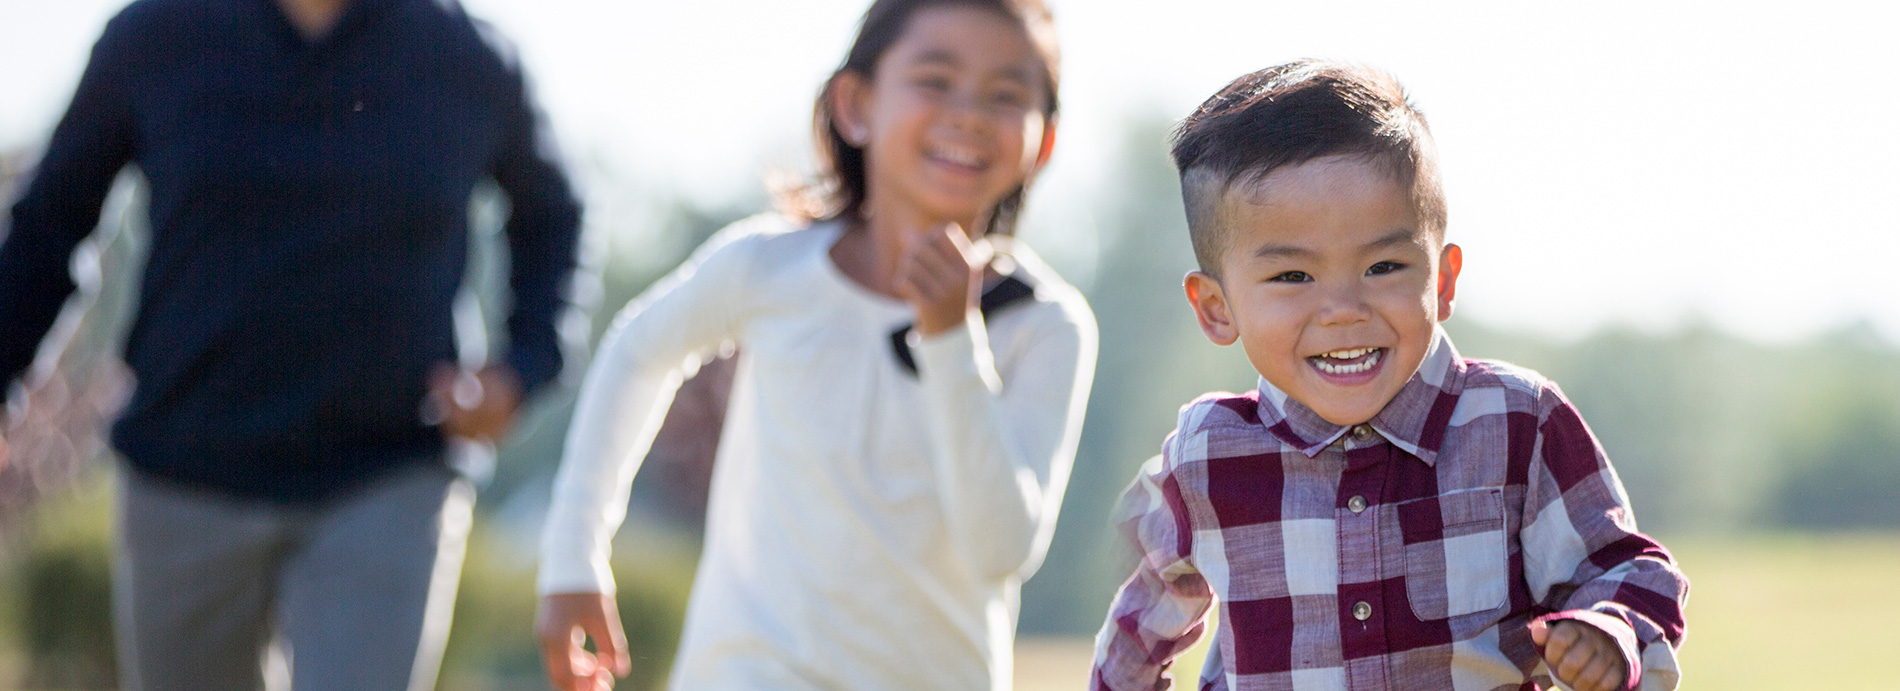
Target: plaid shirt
[[1410, 552]]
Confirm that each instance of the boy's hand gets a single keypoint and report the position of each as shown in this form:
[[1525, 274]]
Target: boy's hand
[[474, 405], [941, 276], [564, 624], [1582, 656]]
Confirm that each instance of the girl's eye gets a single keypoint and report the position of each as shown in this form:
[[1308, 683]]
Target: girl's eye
[[933, 83], [1009, 99], [1383, 268], [1291, 277]]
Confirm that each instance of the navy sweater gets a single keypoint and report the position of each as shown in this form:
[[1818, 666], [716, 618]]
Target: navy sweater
[[309, 212]]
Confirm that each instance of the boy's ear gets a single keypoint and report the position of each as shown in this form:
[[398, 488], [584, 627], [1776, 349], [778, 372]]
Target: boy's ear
[[1451, 260], [846, 94], [1210, 308]]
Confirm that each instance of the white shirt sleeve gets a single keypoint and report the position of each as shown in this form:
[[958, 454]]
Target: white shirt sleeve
[[623, 400], [1003, 443]]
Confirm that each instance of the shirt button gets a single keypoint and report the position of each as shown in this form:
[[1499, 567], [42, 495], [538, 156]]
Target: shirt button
[[1357, 504], [1362, 611], [1362, 432]]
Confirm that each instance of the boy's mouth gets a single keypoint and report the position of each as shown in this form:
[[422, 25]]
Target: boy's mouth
[[1347, 362]]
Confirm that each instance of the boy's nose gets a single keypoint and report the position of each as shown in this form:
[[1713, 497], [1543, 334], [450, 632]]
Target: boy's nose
[[1343, 305]]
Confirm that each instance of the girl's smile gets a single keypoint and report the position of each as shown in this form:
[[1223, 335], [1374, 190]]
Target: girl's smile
[[951, 119]]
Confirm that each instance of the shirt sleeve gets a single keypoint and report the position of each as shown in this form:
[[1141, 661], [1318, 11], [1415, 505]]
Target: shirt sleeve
[[1162, 609], [1583, 556], [623, 400], [543, 234], [1002, 444], [94, 139]]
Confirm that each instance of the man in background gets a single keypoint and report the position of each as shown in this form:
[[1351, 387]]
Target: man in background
[[285, 501]]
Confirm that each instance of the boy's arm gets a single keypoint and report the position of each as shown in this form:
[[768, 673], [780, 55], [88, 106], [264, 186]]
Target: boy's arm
[[1583, 557], [1162, 609]]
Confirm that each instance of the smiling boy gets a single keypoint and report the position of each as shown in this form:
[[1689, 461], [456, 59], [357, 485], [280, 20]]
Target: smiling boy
[[1381, 513]]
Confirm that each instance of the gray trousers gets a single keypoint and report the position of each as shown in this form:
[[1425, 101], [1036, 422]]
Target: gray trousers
[[215, 593]]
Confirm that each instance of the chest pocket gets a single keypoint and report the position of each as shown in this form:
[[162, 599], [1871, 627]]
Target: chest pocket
[[1456, 559]]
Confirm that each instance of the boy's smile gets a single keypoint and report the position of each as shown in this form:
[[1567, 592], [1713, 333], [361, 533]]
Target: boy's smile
[[1329, 283]]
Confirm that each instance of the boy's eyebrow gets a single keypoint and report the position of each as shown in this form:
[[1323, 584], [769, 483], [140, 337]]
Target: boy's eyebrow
[[1397, 237], [1401, 236], [1278, 250]]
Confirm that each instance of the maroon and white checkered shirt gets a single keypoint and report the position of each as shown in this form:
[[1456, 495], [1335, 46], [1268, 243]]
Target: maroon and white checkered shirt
[[1410, 552]]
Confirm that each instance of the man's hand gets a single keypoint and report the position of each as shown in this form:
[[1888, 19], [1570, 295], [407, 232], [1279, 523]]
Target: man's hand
[[475, 405], [3, 444], [941, 276], [563, 625], [1582, 656]]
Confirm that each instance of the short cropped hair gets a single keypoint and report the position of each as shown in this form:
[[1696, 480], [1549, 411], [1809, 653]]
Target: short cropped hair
[[1293, 113]]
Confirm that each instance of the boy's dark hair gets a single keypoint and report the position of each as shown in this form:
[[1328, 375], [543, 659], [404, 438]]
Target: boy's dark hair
[[1290, 114], [839, 188]]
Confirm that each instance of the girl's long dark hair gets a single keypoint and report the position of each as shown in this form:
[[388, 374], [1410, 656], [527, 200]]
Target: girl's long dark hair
[[838, 189]]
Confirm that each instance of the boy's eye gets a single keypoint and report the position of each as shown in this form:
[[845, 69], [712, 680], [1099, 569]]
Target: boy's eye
[[1291, 277], [1382, 268]]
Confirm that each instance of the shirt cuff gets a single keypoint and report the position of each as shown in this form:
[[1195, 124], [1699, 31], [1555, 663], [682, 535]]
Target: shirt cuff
[[569, 567], [955, 355], [1619, 630]]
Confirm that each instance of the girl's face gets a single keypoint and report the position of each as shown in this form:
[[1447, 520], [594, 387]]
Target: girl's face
[[952, 119]]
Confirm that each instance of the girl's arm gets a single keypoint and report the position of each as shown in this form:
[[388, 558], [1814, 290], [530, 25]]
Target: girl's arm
[[642, 360], [1003, 442]]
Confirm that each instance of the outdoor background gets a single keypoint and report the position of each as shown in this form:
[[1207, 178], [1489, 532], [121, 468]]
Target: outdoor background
[[1683, 212]]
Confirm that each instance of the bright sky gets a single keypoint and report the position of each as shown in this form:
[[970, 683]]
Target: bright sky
[[1609, 162]]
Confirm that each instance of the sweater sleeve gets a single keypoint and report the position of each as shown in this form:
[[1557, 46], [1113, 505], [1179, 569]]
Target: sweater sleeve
[[94, 139], [623, 400], [1002, 442], [1585, 560], [543, 232]]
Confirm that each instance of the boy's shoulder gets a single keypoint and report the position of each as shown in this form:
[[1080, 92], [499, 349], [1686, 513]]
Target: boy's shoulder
[[1499, 387]]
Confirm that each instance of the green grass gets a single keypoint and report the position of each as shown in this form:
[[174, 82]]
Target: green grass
[[1792, 612]]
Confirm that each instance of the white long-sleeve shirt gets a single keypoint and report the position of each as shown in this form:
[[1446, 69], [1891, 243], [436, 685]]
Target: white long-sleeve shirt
[[867, 529]]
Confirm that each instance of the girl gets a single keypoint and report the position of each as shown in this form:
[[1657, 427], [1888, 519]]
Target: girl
[[894, 454]]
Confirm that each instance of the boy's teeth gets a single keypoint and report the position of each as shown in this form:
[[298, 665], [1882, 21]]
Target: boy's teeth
[[1324, 365], [1347, 354]]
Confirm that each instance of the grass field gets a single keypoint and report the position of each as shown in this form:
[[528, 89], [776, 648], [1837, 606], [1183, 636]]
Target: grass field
[[1781, 612]]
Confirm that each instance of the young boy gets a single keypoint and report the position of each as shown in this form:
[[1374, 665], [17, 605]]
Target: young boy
[[1381, 513]]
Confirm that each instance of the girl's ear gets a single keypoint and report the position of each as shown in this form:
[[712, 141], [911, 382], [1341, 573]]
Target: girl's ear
[[1048, 145], [847, 95]]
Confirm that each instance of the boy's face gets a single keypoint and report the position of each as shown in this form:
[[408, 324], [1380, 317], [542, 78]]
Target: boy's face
[[1329, 283]]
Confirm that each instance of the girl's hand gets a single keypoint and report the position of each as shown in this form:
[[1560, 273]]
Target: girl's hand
[[564, 624], [941, 276]]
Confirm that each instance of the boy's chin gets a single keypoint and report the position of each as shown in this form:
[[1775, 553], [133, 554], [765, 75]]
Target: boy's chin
[[1349, 412]]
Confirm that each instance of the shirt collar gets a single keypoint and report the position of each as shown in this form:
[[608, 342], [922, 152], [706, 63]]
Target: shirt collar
[[1414, 420]]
